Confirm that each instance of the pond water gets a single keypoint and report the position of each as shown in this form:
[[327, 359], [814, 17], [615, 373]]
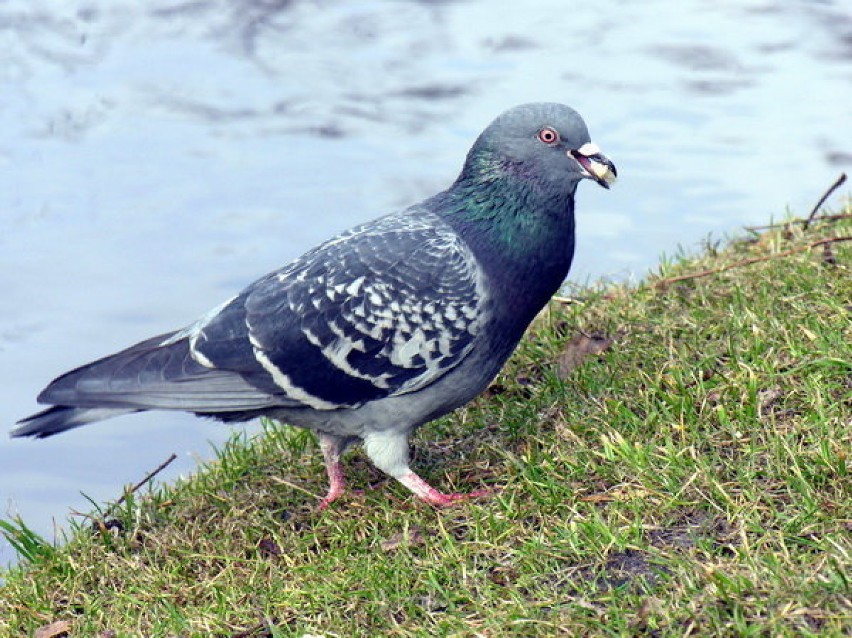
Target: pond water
[[156, 157]]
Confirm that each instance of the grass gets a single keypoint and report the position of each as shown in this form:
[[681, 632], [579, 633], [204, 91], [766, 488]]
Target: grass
[[693, 477]]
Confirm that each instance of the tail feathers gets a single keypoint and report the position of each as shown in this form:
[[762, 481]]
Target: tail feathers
[[159, 373], [110, 370], [59, 418]]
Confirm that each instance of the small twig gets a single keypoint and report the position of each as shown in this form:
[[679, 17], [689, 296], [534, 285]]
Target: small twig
[[751, 260], [823, 218], [565, 300], [150, 475], [252, 632], [145, 480], [837, 183], [276, 479], [74, 512]]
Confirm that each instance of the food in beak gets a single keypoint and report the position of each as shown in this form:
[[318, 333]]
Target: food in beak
[[595, 165]]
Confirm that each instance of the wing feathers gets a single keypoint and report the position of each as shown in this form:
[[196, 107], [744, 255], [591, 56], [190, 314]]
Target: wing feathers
[[384, 309]]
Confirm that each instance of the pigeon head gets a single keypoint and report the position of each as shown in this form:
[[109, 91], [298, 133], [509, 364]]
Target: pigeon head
[[543, 144], [513, 203]]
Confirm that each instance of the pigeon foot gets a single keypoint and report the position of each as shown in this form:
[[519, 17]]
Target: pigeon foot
[[334, 492], [336, 484], [332, 448], [425, 492]]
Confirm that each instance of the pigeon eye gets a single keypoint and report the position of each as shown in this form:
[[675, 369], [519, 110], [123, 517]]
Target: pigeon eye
[[548, 135]]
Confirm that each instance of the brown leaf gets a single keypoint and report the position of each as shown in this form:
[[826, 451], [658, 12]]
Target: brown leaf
[[767, 397], [503, 575], [409, 537], [618, 493], [54, 630], [650, 606], [268, 548], [578, 349]]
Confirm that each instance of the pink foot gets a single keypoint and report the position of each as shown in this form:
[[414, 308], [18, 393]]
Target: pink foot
[[336, 486], [334, 468], [426, 492]]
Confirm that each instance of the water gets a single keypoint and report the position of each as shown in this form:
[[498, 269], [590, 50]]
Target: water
[[156, 157]]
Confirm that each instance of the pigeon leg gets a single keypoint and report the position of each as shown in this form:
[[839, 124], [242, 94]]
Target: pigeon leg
[[389, 452], [332, 448]]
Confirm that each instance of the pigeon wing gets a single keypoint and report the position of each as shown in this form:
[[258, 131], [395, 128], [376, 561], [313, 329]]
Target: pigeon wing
[[384, 309]]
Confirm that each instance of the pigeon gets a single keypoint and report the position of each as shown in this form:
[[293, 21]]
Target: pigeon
[[380, 329]]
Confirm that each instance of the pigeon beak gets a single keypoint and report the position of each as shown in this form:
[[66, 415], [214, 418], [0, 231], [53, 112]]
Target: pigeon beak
[[594, 164]]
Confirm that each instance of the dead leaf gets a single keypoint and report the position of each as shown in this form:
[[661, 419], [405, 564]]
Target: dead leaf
[[617, 493], [54, 630], [650, 606], [578, 349], [412, 536], [268, 548], [766, 398], [503, 575]]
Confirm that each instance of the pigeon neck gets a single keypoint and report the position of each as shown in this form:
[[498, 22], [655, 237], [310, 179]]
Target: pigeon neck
[[521, 234]]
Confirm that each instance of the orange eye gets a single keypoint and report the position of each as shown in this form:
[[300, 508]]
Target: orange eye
[[548, 135]]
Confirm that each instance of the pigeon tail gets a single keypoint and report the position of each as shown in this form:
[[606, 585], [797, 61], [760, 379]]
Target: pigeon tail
[[59, 418]]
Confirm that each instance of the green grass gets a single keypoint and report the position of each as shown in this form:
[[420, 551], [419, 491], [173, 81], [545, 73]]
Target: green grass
[[693, 479]]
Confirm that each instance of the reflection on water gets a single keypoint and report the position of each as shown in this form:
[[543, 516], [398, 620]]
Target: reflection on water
[[156, 157]]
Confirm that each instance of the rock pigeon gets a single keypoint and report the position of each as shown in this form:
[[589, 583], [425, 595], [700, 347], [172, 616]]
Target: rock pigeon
[[381, 329]]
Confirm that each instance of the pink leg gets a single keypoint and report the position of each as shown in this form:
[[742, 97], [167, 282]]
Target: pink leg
[[426, 492], [332, 448]]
